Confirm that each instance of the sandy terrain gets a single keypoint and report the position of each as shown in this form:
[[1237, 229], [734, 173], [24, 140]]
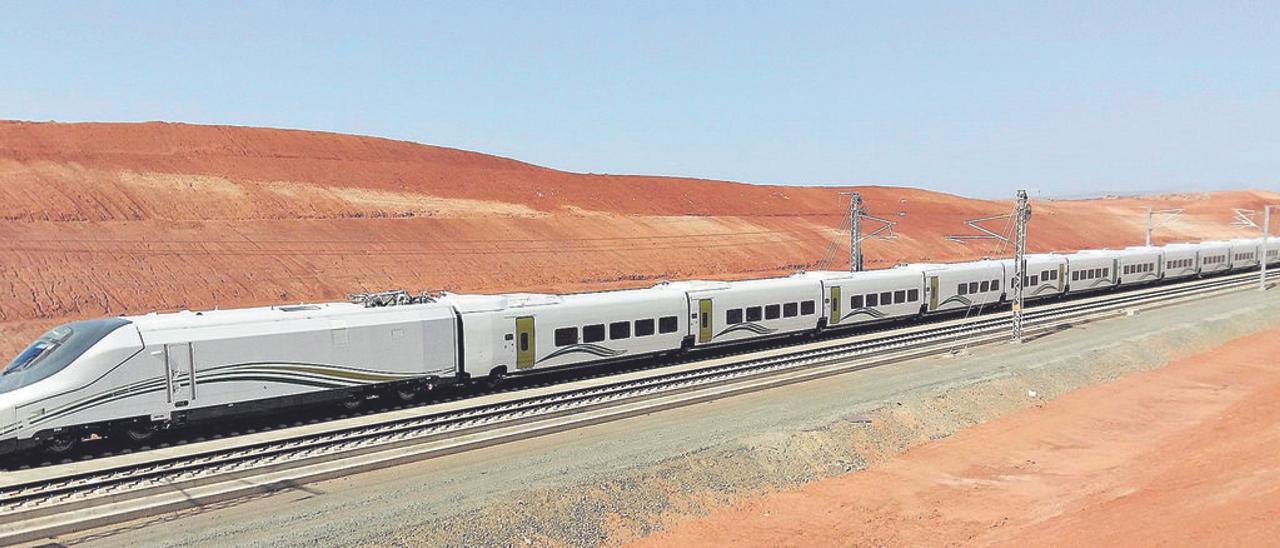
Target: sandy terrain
[[103, 219], [1181, 455]]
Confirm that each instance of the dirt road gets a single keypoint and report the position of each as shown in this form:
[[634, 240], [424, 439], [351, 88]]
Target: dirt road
[[1186, 454]]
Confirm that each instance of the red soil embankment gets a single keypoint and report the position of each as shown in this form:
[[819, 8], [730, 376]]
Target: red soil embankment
[[1182, 455], [104, 219]]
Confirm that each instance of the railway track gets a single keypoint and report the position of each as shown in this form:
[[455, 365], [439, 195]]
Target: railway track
[[53, 500]]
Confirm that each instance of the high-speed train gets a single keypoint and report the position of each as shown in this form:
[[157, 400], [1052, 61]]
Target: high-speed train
[[132, 375]]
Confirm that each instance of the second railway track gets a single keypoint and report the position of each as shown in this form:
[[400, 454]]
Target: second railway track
[[58, 499]]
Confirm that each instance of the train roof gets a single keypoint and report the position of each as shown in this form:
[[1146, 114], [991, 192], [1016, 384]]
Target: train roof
[[209, 318], [479, 303], [713, 285], [969, 265], [1097, 252], [894, 272]]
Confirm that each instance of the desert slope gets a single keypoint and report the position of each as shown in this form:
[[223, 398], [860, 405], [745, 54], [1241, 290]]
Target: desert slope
[[102, 219]]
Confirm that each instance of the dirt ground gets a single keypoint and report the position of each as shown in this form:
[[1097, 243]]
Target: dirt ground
[[1182, 455], [107, 219]]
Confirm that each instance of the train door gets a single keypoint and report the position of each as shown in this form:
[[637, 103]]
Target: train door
[[180, 373], [1062, 277], [933, 292], [704, 320], [526, 344], [835, 305], [1115, 272]]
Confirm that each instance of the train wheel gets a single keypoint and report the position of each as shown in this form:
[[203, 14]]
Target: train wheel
[[407, 392], [60, 444], [139, 432], [352, 403], [496, 377]]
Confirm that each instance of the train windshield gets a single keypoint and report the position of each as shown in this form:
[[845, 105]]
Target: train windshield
[[54, 351]]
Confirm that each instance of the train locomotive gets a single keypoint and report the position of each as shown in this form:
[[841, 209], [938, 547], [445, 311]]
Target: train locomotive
[[130, 376]]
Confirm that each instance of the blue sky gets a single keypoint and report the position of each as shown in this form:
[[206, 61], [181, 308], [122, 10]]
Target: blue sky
[[975, 98]]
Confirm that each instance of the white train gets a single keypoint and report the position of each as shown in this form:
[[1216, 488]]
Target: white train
[[131, 375]]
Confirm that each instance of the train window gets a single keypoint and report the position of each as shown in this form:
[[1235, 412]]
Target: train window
[[986, 286], [1075, 276], [886, 298], [791, 310], [773, 312], [566, 336], [668, 324], [973, 287], [1106, 272], [913, 295], [873, 299], [524, 341], [753, 314], [1035, 280], [1054, 273], [1044, 274], [733, 317], [962, 289], [644, 327], [855, 302], [620, 330], [806, 308], [995, 286], [593, 333], [900, 296]]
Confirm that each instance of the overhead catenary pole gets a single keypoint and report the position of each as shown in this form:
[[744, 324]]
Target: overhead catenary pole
[[1148, 244], [1021, 214], [855, 232]]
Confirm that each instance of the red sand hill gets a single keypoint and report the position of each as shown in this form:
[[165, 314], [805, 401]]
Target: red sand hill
[[103, 219]]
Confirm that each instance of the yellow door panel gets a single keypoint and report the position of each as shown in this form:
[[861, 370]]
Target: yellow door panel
[[526, 344], [704, 320], [835, 306]]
